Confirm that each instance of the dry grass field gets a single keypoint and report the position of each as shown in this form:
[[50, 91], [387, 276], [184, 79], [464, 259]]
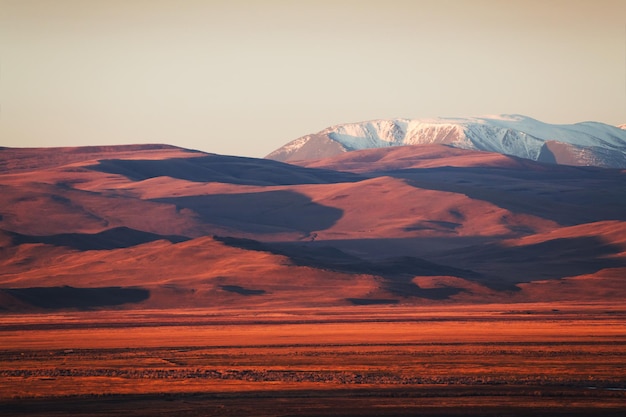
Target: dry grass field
[[535, 359]]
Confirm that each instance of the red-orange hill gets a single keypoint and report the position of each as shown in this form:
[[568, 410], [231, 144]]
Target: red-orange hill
[[154, 226]]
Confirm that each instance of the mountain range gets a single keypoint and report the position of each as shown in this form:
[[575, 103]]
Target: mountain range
[[582, 144], [156, 226]]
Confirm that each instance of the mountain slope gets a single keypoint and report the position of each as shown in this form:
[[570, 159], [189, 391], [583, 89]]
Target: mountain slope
[[584, 144]]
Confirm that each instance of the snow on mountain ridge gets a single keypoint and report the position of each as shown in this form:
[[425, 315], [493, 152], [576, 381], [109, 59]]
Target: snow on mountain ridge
[[509, 134], [296, 144]]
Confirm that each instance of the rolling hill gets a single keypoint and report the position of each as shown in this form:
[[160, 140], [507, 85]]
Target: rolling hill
[[154, 226]]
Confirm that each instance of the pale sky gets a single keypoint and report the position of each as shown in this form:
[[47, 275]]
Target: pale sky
[[245, 77]]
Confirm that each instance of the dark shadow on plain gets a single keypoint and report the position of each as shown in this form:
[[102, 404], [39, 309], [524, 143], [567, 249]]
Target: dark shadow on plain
[[349, 401], [116, 238], [81, 298], [263, 212], [224, 169]]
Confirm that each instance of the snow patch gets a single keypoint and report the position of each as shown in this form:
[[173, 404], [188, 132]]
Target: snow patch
[[294, 145]]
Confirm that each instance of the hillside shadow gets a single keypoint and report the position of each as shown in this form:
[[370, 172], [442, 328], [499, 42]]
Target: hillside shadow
[[566, 195], [492, 265], [398, 272], [500, 266], [241, 290], [554, 259], [80, 298], [224, 169], [263, 212], [115, 238]]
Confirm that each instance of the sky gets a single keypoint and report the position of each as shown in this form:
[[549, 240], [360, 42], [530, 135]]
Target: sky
[[243, 77]]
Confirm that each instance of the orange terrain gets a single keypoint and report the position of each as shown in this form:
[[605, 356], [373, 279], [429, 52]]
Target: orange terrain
[[424, 280]]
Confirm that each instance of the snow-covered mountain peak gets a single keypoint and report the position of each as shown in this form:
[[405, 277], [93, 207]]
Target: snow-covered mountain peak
[[586, 143]]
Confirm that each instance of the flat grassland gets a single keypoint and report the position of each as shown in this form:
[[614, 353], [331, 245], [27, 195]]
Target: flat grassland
[[526, 359]]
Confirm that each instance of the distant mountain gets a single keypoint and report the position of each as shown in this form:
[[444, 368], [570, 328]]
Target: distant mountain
[[581, 144]]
